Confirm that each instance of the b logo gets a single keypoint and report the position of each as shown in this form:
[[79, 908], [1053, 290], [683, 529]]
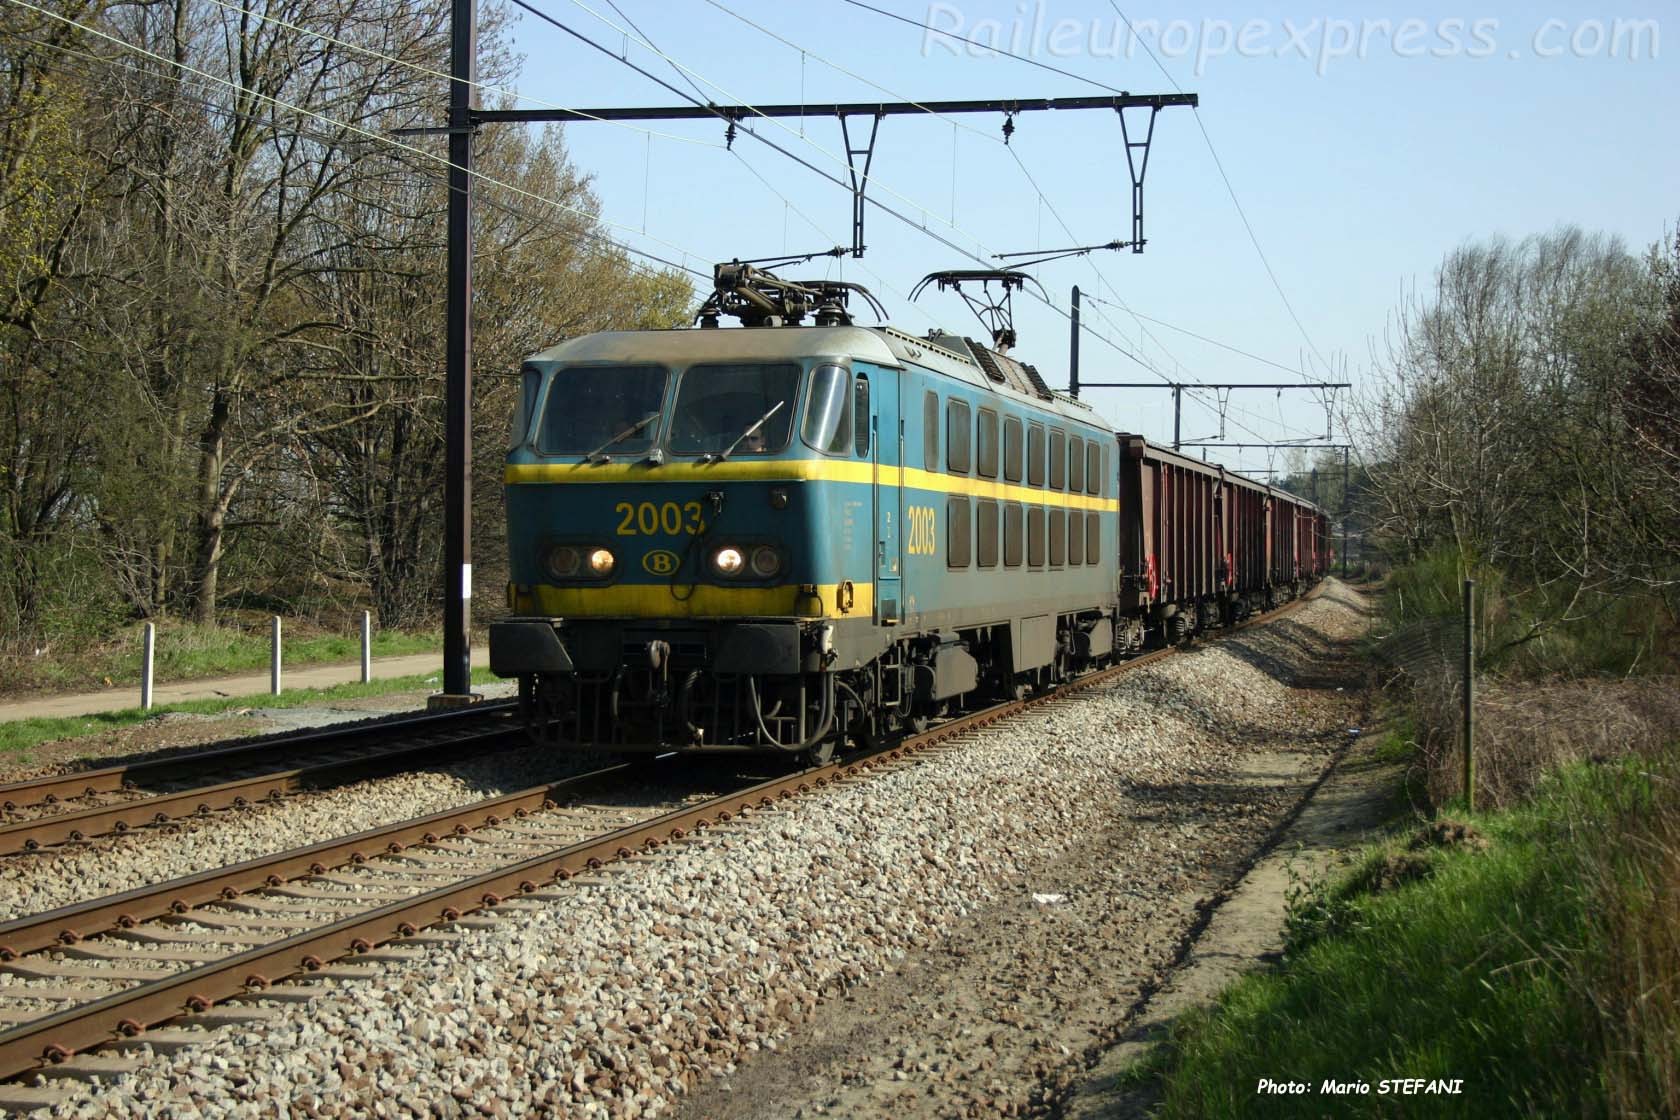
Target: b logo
[[659, 562]]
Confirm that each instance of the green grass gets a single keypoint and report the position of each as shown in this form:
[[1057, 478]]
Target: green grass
[[1430, 961], [185, 652], [17, 736]]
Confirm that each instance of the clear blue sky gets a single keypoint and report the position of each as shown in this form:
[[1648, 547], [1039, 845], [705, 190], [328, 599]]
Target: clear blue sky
[[1358, 169]]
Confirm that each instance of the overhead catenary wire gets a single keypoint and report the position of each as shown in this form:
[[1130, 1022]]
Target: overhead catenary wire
[[987, 46], [1043, 199], [1218, 163], [1202, 127], [981, 258], [834, 157], [788, 204]]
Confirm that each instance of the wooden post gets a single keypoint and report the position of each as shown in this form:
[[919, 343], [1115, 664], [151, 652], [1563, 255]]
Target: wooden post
[[367, 646], [1470, 695], [274, 660], [148, 648]]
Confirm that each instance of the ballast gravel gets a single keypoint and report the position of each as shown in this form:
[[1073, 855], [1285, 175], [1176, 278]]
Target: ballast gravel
[[616, 999], [59, 876]]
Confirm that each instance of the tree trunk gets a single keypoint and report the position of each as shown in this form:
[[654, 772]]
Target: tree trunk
[[212, 514]]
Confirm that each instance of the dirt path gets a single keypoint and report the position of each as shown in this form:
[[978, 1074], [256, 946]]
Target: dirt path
[[1029, 1007]]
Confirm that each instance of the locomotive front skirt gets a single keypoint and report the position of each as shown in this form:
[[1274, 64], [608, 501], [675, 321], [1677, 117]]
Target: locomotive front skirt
[[777, 538]]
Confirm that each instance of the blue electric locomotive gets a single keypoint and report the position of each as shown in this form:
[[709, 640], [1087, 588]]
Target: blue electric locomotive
[[777, 537]]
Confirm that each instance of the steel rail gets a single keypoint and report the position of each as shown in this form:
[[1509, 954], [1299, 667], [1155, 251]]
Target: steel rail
[[122, 816], [79, 921], [61, 1035], [110, 779]]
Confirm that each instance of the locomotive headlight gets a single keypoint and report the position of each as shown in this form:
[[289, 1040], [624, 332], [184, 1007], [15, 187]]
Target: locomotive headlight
[[562, 561], [766, 561], [728, 561], [601, 562]]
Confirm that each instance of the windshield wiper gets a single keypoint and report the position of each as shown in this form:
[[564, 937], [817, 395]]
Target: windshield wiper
[[624, 435], [753, 427]]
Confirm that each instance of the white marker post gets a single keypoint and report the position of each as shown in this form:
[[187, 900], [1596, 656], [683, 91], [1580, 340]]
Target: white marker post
[[148, 648], [274, 660], [367, 647]]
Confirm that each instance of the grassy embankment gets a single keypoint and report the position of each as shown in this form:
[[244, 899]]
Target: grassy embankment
[[18, 735], [1531, 949], [189, 652]]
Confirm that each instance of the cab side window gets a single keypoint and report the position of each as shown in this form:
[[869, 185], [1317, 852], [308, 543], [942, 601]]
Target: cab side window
[[860, 417]]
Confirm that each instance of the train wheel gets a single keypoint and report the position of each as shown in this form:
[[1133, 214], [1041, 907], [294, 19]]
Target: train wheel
[[821, 754]]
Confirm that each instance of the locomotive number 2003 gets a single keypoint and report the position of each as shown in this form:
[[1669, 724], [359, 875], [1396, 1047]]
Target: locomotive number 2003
[[922, 540], [651, 519]]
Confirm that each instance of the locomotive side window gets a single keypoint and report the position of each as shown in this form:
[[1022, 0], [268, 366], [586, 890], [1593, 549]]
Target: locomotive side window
[[1058, 459], [1012, 535], [860, 414], [986, 458], [1075, 538], [956, 437], [930, 431], [959, 542], [1093, 469], [610, 409], [987, 524], [828, 414], [1035, 455], [1058, 538], [1035, 537], [1011, 449], [1093, 539], [1076, 464]]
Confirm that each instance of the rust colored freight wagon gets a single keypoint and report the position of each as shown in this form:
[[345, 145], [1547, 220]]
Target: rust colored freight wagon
[[1201, 546]]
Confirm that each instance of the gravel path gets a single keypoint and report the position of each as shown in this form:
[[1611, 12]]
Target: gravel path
[[618, 999]]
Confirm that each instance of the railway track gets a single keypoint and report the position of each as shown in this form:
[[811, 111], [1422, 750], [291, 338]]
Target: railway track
[[105, 974], [90, 803]]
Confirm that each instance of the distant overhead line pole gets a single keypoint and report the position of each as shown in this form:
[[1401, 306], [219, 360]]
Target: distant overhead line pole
[[1224, 390]]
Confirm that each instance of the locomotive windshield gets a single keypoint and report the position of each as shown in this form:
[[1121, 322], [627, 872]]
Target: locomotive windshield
[[596, 408], [718, 405]]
